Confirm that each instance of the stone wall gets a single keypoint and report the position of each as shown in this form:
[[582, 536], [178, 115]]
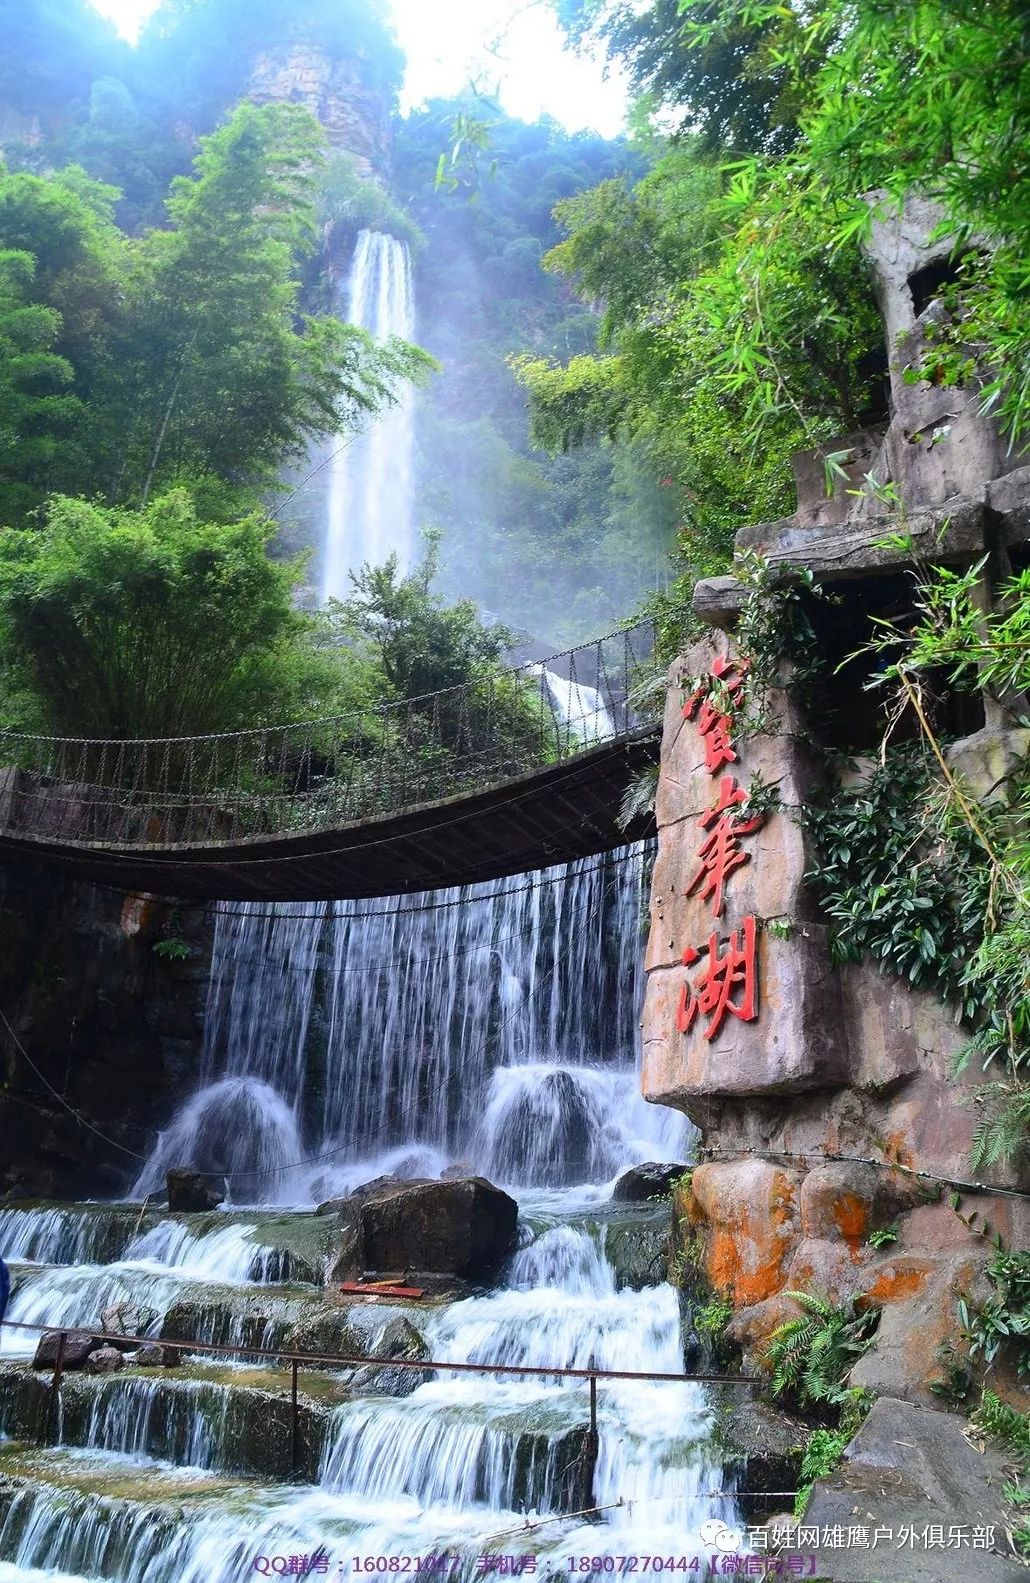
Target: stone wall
[[113, 1027], [825, 1096]]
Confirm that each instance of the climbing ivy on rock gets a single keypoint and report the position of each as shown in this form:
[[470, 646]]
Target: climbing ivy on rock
[[893, 887]]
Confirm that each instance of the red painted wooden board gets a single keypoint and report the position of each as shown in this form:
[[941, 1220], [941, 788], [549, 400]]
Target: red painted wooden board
[[381, 1289]]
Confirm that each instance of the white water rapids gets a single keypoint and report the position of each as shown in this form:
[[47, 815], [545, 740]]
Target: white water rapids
[[500, 1033]]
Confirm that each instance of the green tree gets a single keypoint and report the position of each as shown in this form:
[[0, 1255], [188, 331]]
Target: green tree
[[117, 144], [928, 97], [716, 371], [123, 624], [190, 353], [229, 382], [733, 87], [447, 664], [35, 403]]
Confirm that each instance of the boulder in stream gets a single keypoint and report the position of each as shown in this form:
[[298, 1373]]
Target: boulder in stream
[[128, 1320], [463, 1228], [105, 1360], [78, 1344], [641, 1182], [325, 1330], [192, 1191], [398, 1339], [151, 1355]]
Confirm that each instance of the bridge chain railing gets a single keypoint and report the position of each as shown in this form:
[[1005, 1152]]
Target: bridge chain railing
[[327, 773]]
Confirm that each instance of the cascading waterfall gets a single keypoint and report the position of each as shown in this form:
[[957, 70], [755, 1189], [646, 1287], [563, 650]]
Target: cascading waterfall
[[580, 708], [499, 1031], [494, 1026], [369, 502]]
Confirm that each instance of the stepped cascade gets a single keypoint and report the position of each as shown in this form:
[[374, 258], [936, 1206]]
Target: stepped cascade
[[494, 1030], [369, 506]]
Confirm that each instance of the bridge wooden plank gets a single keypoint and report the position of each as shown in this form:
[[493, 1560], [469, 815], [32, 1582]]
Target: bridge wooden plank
[[547, 816]]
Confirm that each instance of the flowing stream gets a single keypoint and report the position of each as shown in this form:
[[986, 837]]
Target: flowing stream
[[492, 1030], [498, 1034]]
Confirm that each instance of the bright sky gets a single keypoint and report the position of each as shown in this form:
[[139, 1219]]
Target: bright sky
[[513, 45]]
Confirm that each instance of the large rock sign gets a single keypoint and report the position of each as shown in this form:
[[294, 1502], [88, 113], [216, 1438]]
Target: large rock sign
[[723, 875], [826, 1095]]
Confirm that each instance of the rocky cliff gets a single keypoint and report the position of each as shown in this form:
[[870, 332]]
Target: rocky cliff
[[826, 1094], [339, 90], [112, 1027]]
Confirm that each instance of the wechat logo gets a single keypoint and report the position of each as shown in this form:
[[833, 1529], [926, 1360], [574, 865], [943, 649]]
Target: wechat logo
[[716, 1534]]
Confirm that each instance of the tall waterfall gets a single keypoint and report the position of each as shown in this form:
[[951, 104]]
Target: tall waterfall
[[494, 1026], [369, 504]]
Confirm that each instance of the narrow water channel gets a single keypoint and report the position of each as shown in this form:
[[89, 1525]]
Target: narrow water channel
[[494, 1031]]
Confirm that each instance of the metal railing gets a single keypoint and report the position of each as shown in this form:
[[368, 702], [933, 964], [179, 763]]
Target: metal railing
[[327, 773], [278, 1357]]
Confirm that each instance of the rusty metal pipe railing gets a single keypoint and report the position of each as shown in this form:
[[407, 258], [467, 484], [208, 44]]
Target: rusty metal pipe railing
[[362, 1360], [428, 1365]]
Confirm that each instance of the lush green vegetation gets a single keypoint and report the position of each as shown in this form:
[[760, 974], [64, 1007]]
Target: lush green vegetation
[[685, 309], [810, 1358], [149, 623], [812, 1355], [739, 320], [181, 356], [464, 704]]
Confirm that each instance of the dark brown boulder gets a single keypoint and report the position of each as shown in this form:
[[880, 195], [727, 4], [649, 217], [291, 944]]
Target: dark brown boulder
[[460, 1228], [151, 1355], [105, 1360], [642, 1182], [192, 1191], [78, 1344]]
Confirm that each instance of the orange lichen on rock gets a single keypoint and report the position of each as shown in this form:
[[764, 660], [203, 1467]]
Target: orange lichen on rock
[[751, 1211], [851, 1217], [898, 1282], [898, 1147]]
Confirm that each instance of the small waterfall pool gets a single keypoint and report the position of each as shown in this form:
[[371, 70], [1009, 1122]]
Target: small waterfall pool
[[495, 1035]]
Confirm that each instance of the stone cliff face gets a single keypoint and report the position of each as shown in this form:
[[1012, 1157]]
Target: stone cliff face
[[113, 1027], [337, 90], [833, 1061], [825, 1095]]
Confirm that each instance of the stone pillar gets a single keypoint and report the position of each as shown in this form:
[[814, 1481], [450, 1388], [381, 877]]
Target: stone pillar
[[792, 1038]]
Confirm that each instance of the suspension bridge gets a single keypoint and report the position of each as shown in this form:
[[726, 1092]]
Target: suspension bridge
[[505, 774]]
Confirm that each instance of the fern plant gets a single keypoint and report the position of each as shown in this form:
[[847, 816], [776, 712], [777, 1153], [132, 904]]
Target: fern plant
[[1002, 1135], [822, 1454], [639, 796], [1003, 1321], [812, 1355]]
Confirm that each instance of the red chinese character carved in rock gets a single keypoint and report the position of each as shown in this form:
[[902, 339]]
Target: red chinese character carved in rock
[[727, 985], [721, 853], [713, 723]]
